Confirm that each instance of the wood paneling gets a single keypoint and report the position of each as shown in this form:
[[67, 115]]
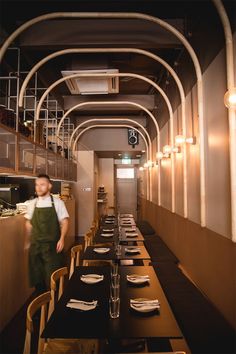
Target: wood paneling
[[208, 258]]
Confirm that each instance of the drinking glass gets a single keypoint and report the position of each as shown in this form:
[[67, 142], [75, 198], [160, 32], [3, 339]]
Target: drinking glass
[[115, 280], [114, 307], [115, 291], [114, 269]]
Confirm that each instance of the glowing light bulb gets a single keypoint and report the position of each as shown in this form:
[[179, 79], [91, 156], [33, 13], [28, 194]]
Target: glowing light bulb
[[159, 155], [145, 165], [141, 168], [167, 149], [179, 140], [230, 98]]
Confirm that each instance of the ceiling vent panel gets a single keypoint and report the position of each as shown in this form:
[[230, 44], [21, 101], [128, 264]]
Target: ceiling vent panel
[[92, 85]]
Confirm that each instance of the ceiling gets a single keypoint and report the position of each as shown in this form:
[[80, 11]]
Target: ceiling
[[197, 20]]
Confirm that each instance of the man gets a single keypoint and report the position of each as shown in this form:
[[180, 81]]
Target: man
[[47, 225]]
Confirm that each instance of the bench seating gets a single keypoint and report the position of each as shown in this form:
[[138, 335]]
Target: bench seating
[[158, 250], [203, 326], [145, 228]]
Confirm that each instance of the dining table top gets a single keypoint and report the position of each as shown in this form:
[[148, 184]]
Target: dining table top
[[68, 322], [104, 235], [127, 253]]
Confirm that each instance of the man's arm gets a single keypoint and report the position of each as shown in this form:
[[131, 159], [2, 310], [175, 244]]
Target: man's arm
[[64, 228], [28, 229]]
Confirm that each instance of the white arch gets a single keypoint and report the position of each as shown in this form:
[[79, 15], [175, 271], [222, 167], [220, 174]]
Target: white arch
[[158, 88], [169, 28], [124, 50], [231, 113], [148, 148]]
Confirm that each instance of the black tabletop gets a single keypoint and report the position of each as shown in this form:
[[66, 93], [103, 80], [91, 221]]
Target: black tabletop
[[91, 255], [70, 323], [101, 235]]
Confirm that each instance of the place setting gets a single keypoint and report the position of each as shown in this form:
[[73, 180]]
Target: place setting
[[136, 279], [91, 278], [132, 250], [145, 306], [101, 250], [82, 305]]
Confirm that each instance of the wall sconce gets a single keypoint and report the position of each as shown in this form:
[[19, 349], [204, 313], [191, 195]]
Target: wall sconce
[[176, 149], [230, 98], [167, 151], [141, 168], [159, 155], [145, 165], [150, 164], [180, 140]]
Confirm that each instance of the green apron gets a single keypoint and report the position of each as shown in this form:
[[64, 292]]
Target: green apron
[[43, 258]]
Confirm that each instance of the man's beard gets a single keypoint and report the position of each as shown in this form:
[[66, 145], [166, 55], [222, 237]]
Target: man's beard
[[42, 194]]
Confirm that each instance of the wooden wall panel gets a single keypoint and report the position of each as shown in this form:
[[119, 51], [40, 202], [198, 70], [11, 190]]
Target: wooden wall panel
[[208, 258]]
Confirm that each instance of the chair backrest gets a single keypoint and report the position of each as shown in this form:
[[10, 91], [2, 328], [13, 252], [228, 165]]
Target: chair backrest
[[74, 258], [40, 302], [87, 240], [56, 291]]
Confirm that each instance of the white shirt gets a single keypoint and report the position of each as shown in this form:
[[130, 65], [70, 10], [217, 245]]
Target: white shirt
[[45, 202]]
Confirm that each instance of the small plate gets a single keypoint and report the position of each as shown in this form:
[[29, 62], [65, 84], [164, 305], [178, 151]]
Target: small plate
[[108, 230], [107, 235], [144, 308], [130, 235], [91, 278], [101, 250], [132, 250], [82, 305], [137, 279], [109, 222]]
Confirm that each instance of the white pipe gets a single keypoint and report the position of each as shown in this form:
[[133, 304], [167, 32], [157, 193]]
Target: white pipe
[[155, 122], [122, 126], [231, 113]]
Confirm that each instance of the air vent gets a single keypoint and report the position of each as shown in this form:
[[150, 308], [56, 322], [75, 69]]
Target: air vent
[[92, 85]]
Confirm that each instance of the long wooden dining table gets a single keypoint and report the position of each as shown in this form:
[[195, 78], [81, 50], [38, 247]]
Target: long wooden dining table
[[73, 323]]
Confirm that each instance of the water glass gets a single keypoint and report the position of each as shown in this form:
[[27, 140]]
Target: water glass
[[115, 280], [114, 269], [118, 250], [115, 292], [114, 307]]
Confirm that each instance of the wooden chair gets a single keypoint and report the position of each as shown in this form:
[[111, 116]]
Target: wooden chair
[[87, 240], [74, 258], [56, 291], [40, 302]]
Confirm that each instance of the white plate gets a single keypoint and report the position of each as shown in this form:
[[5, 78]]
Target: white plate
[[101, 250], [132, 250], [144, 307], [107, 230], [107, 235], [130, 235], [137, 279], [91, 278], [109, 222], [82, 305]]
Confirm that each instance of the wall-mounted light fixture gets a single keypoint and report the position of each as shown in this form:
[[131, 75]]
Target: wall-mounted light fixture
[[141, 168], [159, 155], [166, 151], [230, 98], [176, 149], [145, 165], [150, 164], [180, 140]]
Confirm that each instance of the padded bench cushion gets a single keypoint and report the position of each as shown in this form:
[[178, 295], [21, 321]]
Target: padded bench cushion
[[203, 326], [158, 250], [145, 228]]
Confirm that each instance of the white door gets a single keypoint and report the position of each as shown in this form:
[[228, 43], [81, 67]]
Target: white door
[[126, 191]]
